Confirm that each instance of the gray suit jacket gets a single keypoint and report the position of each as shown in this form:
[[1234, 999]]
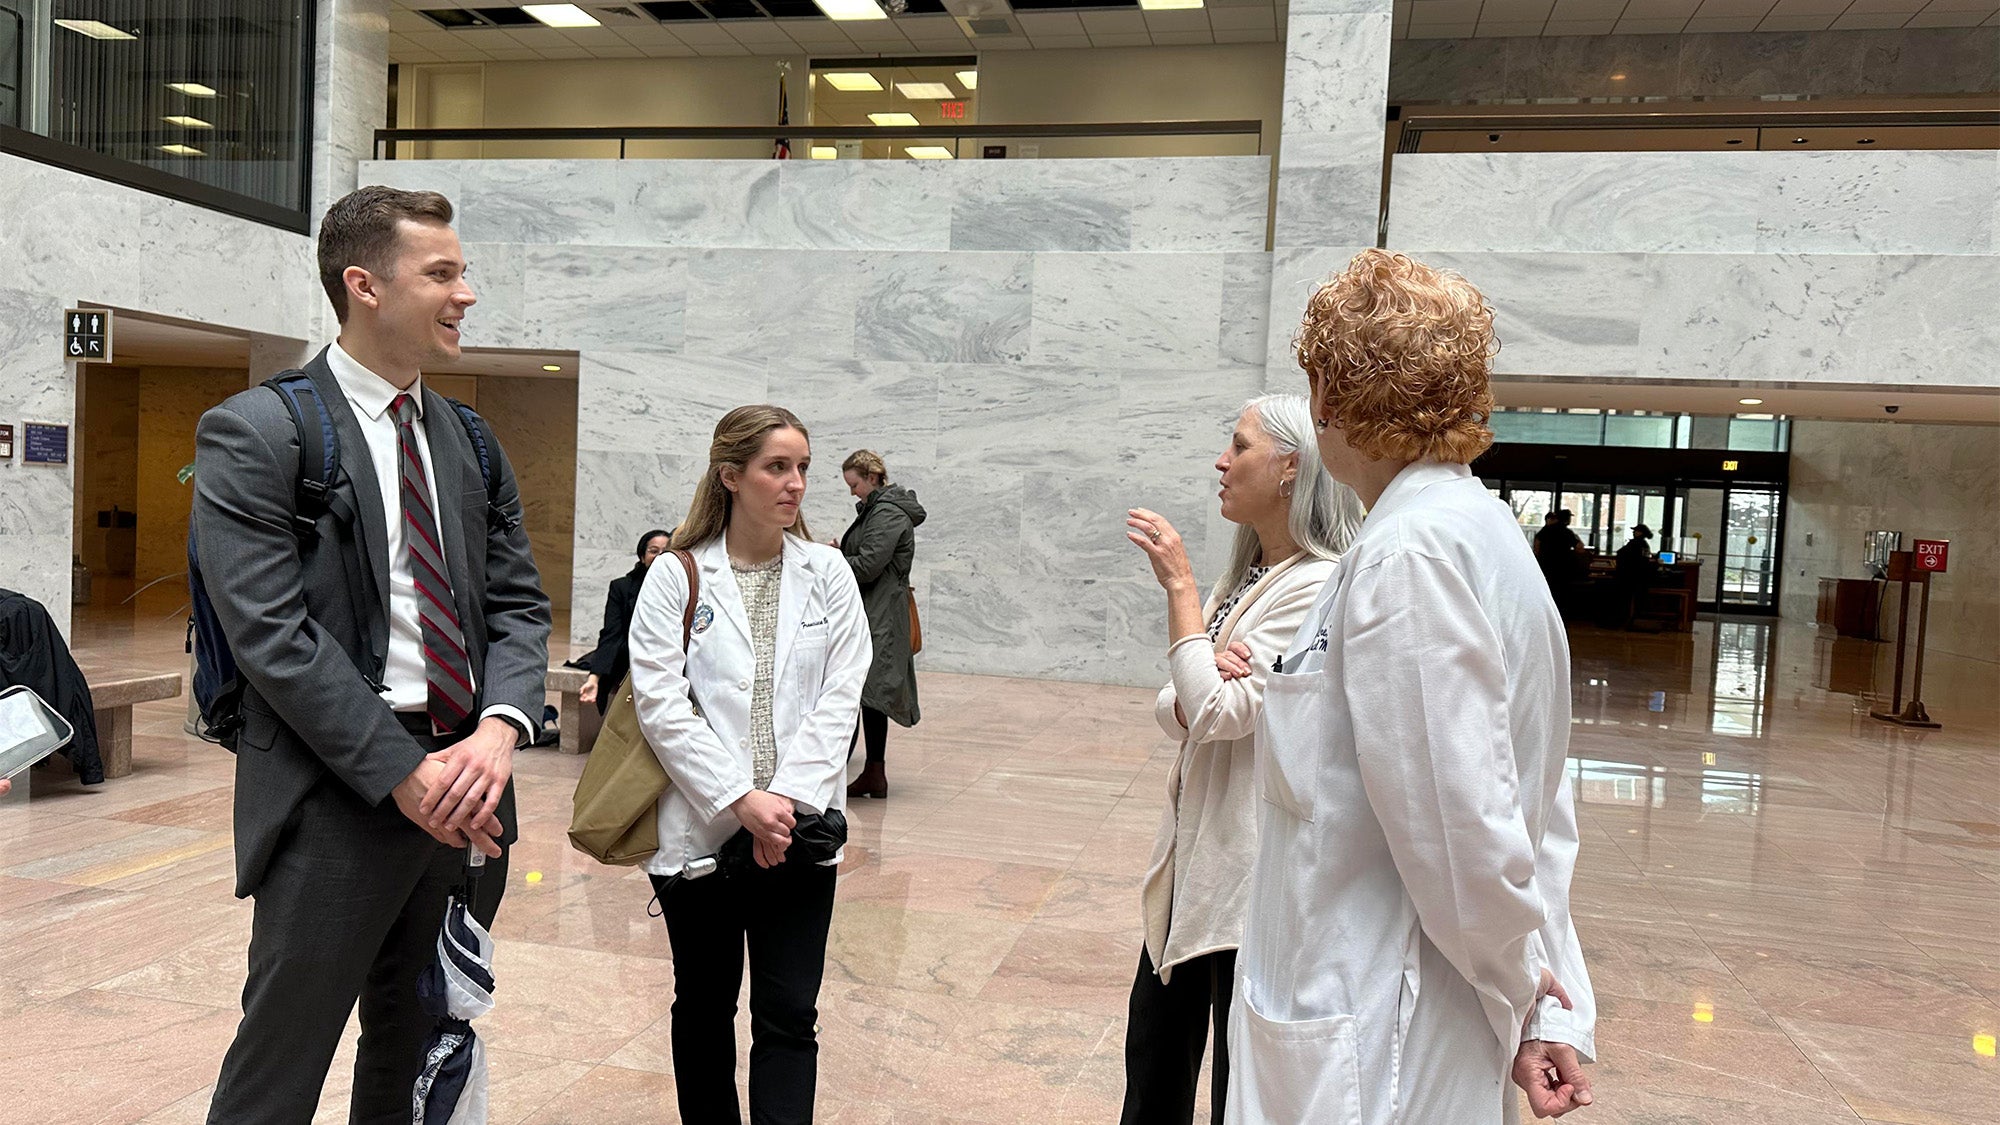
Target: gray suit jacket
[[306, 652]]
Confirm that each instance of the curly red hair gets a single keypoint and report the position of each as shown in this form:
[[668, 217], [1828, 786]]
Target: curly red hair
[[1399, 354]]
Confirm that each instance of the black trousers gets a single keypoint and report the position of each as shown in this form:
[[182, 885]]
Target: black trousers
[[1166, 1034], [875, 732], [781, 915], [349, 909]]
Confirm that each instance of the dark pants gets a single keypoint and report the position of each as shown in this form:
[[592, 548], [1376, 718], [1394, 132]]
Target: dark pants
[[1166, 1034], [782, 915], [875, 732], [349, 909]]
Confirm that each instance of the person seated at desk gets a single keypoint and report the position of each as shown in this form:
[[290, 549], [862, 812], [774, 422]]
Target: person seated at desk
[[1634, 572]]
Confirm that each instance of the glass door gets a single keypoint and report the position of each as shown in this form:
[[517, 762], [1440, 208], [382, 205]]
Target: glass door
[[1749, 574]]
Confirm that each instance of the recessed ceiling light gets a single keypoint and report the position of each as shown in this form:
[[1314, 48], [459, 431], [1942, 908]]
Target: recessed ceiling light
[[1798, 140], [96, 29], [1749, 402], [1168, 5], [561, 15], [968, 79], [852, 9], [192, 89], [925, 91], [1865, 141], [181, 150], [1618, 78], [849, 82], [825, 152], [893, 118], [186, 122], [552, 367], [928, 152]]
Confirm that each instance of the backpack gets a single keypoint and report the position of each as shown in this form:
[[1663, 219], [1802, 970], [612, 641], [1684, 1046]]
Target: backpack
[[218, 689]]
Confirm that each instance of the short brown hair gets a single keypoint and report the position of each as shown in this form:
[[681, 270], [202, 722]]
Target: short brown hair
[[866, 463], [360, 230], [1400, 354]]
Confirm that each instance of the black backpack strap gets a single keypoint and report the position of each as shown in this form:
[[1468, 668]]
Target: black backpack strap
[[319, 448], [475, 429]]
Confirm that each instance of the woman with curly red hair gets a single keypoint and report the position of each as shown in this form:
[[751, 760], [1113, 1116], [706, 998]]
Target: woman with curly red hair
[[1408, 941]]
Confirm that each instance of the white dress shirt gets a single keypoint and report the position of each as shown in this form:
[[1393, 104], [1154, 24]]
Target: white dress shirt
[[371, 395]]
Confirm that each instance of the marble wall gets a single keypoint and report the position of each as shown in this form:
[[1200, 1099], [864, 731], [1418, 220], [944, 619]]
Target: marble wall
[[1931, 482], [1914, 61], [1754, 267], [1033, 346]]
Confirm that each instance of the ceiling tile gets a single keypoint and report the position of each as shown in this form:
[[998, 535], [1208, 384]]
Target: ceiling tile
[[1960, 5], [1710, 25], [1444, 11], [1796, 23], [1579, 27], [1038, 24], [462, 54], [1650, 27], [414, 57], [942, 46], [1712, 8], [403, 20], [697, 34], [1247, 35], [566, 51], [1503, 29], [720, 50], [1515, 11], [670, 51], [1191, 20], [1865, 21], [1809, 7], [514, 54], [623, 51], [1061, 42], [1876, 7], [432, 40], [1113, 23], [1008, 43], [1182, 38], [592, 37], [1931, 17], [1588, 9], [1233, 19], [1441, 31], [1121, 39], [1663, 9], [646, 36], [750, 33]]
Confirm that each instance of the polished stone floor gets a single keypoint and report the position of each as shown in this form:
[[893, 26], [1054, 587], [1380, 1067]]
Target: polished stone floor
[[1792, 912]]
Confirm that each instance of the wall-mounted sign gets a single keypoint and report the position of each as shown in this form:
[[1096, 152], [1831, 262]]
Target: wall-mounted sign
[[1933, 554], [952, 111], [87, 335], [6, 443], [995, 152], [44, 443], [1729, 466]]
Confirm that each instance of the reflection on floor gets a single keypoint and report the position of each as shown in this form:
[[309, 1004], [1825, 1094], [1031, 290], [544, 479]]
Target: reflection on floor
[[1792, 912]]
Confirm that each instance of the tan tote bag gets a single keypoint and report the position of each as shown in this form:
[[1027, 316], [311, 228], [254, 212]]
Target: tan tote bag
[[613, 817]]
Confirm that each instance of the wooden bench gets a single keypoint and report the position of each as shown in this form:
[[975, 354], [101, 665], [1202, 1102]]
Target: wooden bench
[[113, 693], [579, 720]]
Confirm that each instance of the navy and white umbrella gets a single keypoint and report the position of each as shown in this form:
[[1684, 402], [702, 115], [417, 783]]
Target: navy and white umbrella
[[457, 989]]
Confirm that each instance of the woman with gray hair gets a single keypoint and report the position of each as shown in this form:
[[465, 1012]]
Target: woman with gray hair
[[1293, 521]]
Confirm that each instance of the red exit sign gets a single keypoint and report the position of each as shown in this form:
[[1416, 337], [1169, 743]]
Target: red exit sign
[[1932, 555], [952, 111]]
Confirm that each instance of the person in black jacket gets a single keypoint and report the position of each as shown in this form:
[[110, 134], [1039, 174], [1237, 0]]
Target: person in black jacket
[[34, 655], [610, 660], [880, 545]]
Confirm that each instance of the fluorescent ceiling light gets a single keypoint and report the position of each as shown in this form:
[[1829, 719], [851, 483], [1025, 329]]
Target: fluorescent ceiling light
[[561, 15], [825, 152], [181, 150], [96, 29], [928, 152], [1750, 402], [925, 91], [1168, 5], [968, 79], [192, 89], [893, 118], [849, 82], [852, 9], [186, 122]]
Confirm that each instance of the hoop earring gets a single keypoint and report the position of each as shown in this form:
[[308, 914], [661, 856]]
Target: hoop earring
[[1285, 488]]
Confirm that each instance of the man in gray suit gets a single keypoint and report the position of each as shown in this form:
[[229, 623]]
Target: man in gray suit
[[393, 647]]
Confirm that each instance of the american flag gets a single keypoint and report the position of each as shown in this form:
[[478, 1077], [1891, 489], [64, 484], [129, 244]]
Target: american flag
[[782, 149]]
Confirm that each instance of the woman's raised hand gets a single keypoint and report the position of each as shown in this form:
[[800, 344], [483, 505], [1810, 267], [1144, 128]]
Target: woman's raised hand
[[1151, 533]]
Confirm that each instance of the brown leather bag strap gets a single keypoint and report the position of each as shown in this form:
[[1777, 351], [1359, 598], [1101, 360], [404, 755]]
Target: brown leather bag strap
[[694, 596]]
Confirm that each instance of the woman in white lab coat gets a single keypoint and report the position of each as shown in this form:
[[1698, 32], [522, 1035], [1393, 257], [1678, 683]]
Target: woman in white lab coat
[[1292, 521], [1409, 909], [751, 722]]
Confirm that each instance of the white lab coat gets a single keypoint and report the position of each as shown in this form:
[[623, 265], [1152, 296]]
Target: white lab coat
[[822, 659], [1417, 831]]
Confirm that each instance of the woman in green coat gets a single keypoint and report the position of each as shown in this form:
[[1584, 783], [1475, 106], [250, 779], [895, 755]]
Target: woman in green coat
[[880, 545]]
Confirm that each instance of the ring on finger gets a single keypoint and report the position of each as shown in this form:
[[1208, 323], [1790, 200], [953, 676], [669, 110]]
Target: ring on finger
[[1153, 533]]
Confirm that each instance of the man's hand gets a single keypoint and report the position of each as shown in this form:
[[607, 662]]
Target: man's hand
[[410, 797], [588, 693], [1549, 1073], [769, 818], [475, 776], [1552, 1077]]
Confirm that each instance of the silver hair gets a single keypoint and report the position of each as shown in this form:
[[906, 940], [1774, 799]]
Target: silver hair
[[1324, 516]]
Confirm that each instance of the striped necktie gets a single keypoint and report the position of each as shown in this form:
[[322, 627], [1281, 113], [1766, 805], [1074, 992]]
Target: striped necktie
[[447, 671]]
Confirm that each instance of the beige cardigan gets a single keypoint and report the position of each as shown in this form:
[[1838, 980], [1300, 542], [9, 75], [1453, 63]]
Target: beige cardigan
[[1198, 884]]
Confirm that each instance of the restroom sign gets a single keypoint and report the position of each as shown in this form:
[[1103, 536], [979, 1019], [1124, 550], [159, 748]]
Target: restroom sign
[[87, 335], [1932, 555]]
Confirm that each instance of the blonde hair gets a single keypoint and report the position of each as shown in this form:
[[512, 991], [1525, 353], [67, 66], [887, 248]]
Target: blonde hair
[[867, 463], [739, 438], [1400, 354]]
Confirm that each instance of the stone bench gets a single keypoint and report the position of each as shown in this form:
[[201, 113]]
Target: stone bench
[[113, 693], [579, 720]]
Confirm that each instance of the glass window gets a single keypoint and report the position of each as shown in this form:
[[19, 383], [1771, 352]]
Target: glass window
[[210, 92], [1649, 431], [853, 92]]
